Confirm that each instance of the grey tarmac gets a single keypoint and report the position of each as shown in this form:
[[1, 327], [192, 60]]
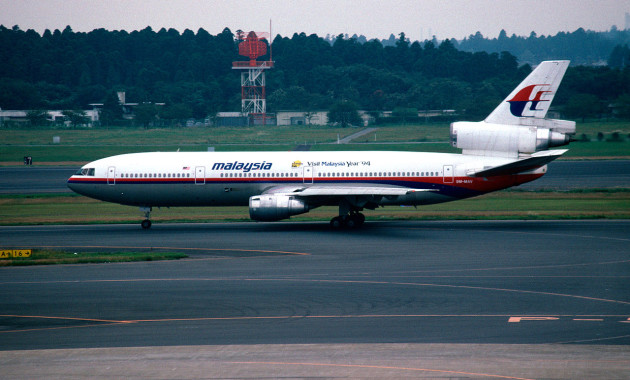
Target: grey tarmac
[[463, 299]]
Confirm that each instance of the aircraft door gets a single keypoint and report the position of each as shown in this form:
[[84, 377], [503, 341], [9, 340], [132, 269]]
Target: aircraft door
[[448, 174], [200, 175], [308, 174], [111, 175]]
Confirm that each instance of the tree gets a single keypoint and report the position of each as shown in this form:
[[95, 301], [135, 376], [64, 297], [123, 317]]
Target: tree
[[619, 57], [195, 69], [344, 113], [622, 105], [146, 113], [178, 111], [112, 111], [582, 106], [37, 117], [76, 118], [404, 114]]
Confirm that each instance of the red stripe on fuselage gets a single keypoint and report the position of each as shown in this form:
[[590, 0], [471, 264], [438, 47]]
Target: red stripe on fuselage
[[476, 184]]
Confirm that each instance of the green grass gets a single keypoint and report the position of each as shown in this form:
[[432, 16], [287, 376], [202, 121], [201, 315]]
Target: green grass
[[79, 146], [75, 209], [439, 147], [183, 136], [80, 154], [598, 149], [51, 257], [591, 128]]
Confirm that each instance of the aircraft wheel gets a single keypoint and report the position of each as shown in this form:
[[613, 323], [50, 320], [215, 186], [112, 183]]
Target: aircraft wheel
[[351, 221], [146, 224], [336, 222], [360, 218]]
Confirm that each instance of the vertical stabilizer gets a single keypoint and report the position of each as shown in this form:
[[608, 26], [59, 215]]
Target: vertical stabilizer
[[531, 99], [518, 127]]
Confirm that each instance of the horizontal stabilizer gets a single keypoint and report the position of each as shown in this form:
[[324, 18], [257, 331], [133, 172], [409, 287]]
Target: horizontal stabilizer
[[535, 161]]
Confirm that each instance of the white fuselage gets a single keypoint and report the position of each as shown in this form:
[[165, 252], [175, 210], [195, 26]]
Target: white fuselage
[[213, 178]]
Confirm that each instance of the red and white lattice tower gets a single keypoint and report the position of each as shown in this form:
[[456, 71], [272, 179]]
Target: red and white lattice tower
[[253, 96]]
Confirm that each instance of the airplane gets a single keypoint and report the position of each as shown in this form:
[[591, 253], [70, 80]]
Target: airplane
[[510, 147]]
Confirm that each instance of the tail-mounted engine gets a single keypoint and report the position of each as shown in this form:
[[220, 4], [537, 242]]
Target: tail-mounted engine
[[275, 207], [518, 126], [481, 138]]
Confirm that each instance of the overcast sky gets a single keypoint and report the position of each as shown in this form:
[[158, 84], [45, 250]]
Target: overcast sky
[[419, 19]]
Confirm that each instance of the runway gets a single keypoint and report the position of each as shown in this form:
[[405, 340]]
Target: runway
[[257, 283], [452, 299], [562, 175]]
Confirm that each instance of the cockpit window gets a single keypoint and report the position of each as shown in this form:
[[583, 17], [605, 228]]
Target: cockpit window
[[85, 172]]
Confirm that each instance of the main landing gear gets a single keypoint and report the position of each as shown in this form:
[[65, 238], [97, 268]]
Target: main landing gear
[[146, 223], [349, 216], [352, 220]]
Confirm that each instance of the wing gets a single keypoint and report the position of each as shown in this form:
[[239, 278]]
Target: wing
[[342, 190], [363, 196]]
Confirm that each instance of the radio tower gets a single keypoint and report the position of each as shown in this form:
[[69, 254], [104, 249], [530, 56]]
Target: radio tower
[[253, 96]]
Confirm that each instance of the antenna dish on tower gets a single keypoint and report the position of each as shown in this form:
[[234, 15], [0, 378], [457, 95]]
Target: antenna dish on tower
[[253, 93]]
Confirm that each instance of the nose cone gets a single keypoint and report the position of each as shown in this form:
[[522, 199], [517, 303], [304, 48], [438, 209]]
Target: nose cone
[[73, 184], [70, 184]]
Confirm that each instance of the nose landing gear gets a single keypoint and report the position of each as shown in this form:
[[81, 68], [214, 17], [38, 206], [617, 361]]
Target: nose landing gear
[[146, 223]]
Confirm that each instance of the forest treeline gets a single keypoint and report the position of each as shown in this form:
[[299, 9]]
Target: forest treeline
[[582, 47], [191, 72]]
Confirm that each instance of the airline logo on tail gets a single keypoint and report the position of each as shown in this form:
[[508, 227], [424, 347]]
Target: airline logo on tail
[[531, 94]]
